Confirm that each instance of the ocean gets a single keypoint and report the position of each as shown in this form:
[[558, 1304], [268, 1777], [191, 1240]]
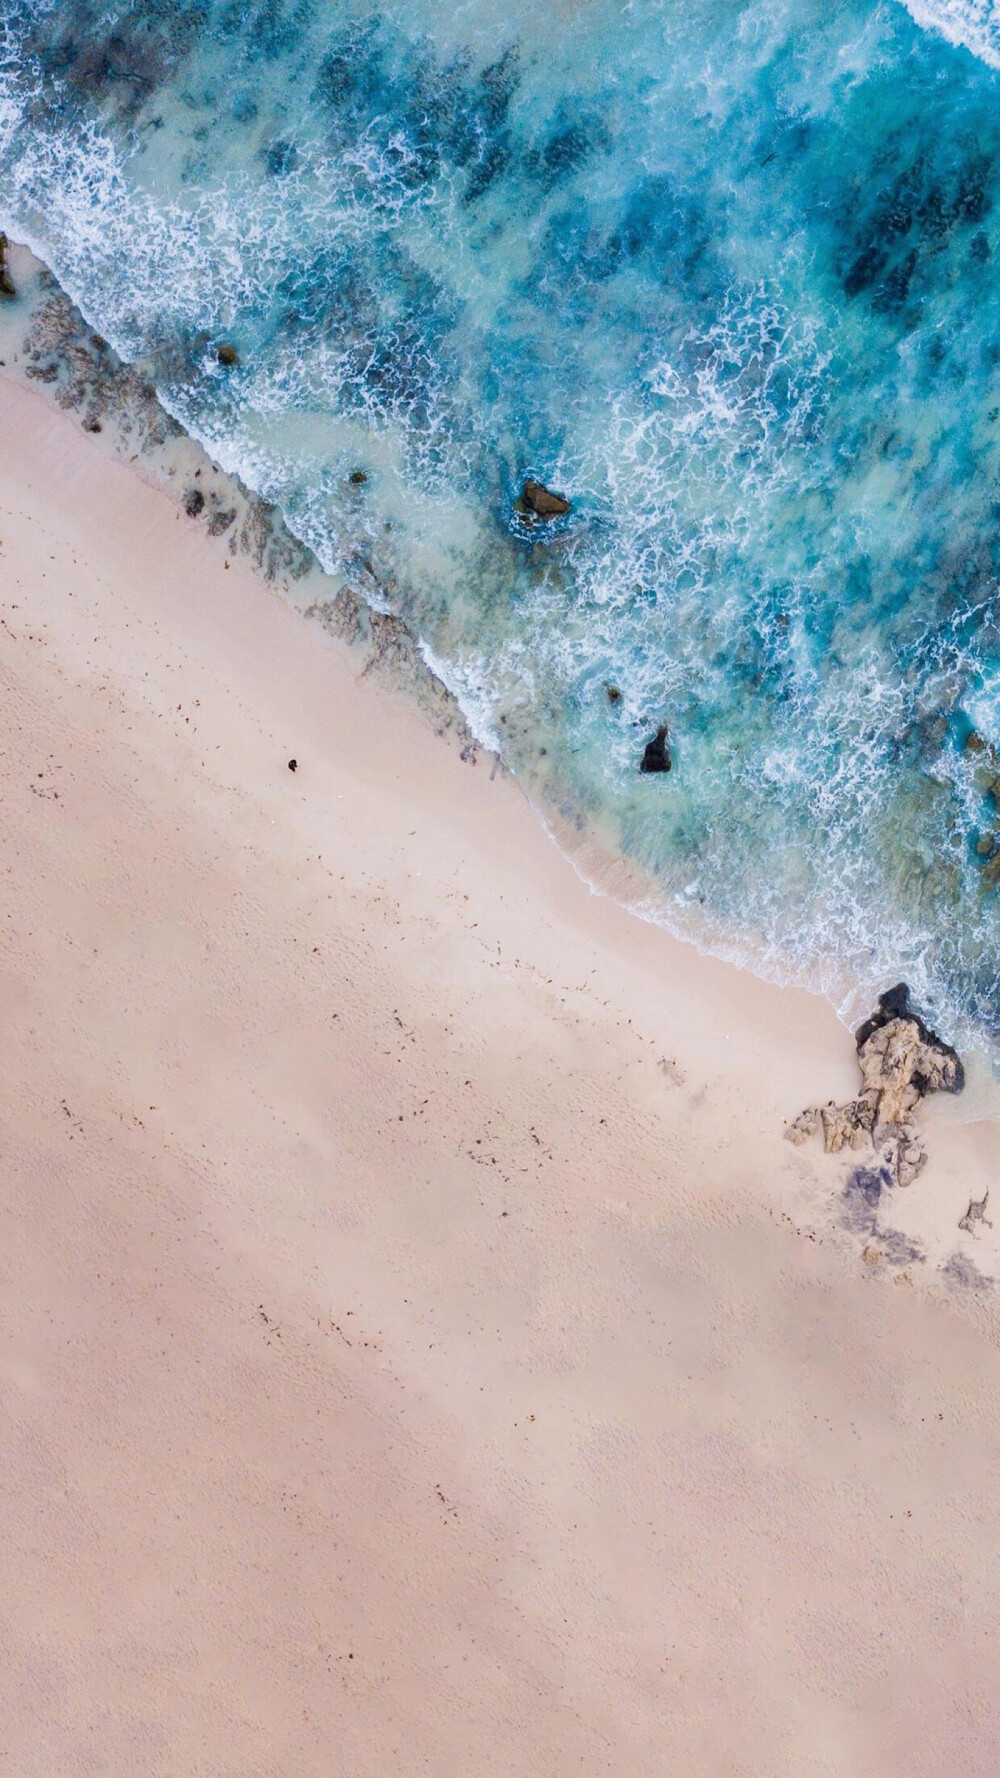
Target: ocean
[[724, 276]]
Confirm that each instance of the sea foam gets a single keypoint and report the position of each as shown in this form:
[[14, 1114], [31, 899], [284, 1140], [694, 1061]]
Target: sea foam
[[722, 275]]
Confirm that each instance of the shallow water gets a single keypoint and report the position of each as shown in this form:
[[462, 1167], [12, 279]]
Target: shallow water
[[723, 274]]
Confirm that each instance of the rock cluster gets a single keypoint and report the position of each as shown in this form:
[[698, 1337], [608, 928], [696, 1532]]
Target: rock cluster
[[901, 1061]]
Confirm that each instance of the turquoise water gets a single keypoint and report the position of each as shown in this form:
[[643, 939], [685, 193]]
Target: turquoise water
[[726, 275]]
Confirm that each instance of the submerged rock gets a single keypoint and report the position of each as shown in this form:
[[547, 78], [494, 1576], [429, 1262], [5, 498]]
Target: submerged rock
[[613, 694], [656, 757], [539, 502], [227, 355], [901, 1061], [991, 872], [986, 775], [7, 287]]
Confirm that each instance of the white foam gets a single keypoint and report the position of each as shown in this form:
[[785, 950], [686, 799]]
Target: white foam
[[968, 24]]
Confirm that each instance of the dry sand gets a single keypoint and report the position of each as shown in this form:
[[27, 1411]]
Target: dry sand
[[420, 1351]]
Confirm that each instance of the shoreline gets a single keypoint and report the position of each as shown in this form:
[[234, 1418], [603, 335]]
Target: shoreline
[[419, 1336], [420, 701], [117, 399]]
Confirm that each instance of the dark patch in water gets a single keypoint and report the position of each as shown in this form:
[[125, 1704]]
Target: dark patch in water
[[572, 142], [123, 66], [281, 158]]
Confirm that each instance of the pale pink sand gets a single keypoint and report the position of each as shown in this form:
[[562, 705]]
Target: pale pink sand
[[404, 1371]]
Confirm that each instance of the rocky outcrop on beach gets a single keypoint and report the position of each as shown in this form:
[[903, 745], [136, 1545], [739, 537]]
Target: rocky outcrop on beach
[[7, 287], [901, 1062]]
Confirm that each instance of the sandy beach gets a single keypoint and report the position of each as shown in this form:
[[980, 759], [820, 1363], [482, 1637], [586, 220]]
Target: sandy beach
[[421, 1351]]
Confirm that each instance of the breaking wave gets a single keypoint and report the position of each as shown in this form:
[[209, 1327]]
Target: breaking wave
[[723, 274]]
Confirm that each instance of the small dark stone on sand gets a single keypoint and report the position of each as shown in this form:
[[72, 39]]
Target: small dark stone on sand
[[227, 355], [539, 502], [657, 755], [92, 426], [357, 478], [293, 765], [194, 502], [6, 286]]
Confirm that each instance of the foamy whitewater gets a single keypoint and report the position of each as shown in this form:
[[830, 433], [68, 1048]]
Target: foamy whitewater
[[726, 276]]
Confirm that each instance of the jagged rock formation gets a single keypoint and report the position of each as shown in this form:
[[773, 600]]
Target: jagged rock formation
[[901, 1061]]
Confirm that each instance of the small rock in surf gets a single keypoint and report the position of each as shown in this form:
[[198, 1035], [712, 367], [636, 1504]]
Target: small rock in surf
[[540, 503], [657, 755], [227, 355]]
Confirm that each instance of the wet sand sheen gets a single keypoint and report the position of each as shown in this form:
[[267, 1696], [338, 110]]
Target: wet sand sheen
[[422, 1353]]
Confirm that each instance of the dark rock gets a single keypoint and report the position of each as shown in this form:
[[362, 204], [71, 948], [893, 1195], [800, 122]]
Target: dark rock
[[893, 1004], [227, 355], [986, 845], [6, 285], [613, 694], [540, 503], [357, 478], [293, 765], [656, 758], [92, 426], [194, 502]]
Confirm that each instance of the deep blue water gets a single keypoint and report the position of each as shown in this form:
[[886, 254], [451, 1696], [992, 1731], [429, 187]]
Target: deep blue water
[[724, 274]]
